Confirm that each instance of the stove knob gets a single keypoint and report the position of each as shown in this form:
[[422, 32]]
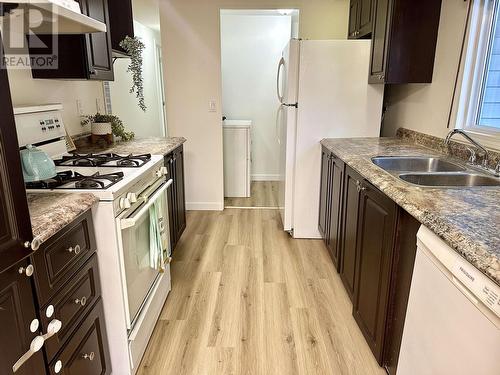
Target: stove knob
[[159, 173], [132, 197], [164, 170], [124, 203]]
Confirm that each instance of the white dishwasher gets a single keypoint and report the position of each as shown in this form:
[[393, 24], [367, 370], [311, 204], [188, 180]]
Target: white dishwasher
[[452, 322]]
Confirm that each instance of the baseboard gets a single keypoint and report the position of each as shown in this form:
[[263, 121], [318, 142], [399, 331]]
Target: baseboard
[[204, 206], [265, 177]]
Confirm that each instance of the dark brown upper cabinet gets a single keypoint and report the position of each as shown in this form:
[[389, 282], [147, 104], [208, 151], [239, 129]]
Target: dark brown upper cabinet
[[404, 41], [87, 56], [121, 24], [15, 224], [360, 19]]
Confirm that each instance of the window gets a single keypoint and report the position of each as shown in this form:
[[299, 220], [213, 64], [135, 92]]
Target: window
[[478, 109]]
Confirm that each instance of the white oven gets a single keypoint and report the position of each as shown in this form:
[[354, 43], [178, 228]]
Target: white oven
[[143, 235]]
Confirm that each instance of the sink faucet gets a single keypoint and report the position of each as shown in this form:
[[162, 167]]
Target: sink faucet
[[485, 152]]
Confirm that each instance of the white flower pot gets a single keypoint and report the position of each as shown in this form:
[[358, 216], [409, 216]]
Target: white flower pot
[[101, 128]]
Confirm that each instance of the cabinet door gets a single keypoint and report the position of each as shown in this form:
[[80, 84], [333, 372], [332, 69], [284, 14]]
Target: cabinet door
[[324, 191], [365, 17], [380, 41], [172, 204], [351, 195], [17, 312], [121, 22], [375, 242], [100, 63], [180, 191], [15, 225], [353, 19], [336, 181]]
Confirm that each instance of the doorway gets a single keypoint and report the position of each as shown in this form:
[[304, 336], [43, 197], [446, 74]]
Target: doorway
[[252, 42]]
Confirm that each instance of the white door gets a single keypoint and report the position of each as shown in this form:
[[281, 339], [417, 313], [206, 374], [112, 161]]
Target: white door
[[287, 87]]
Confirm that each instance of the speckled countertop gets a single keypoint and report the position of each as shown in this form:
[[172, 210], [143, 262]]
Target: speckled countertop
[[467, 219], [151, 145], [51, 212]]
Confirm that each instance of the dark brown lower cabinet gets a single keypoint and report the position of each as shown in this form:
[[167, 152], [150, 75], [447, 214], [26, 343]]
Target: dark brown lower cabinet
[[86, 353], [324, 192], [352, 189], [332, 172], [401, 275], [374, 251], [17, 314], [335, 196], [176, 195], [376, 246]]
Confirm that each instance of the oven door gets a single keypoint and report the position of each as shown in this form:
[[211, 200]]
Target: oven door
[[143, 232]]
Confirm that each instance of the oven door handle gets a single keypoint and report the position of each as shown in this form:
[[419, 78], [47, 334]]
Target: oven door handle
[[131, 221]]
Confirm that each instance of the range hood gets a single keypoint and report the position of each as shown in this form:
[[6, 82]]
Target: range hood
[[53, 16]]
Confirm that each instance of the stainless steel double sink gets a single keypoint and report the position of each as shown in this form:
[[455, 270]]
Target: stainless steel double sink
[[434, 171]]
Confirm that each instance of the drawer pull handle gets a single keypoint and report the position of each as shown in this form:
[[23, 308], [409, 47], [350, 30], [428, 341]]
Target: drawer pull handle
[[75, 249], [82, 301], [28, 271], [89, 357]]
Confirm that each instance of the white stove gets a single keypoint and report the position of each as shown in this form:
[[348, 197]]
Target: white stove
[[131, 225]]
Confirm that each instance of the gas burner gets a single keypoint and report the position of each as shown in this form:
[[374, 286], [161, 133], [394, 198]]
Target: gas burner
[[104, 160], [74, 180], [97, 180], [60, 179]]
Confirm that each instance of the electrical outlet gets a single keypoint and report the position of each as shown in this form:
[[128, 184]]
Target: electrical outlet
[[79, 108], [212, 106]]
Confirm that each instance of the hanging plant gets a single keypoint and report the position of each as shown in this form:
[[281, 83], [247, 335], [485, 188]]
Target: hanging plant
[[134, 48], [117, 127]]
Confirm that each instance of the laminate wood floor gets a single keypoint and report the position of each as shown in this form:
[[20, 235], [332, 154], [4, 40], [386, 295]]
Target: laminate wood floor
[[248, 299], [262, 194]]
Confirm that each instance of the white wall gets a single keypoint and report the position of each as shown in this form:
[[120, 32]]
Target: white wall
[[251, 49], [191, 52], [425, 108], [28, 91], [124, 103]]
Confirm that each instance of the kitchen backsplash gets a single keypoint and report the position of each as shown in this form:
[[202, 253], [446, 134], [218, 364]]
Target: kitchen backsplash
[[456, 149]]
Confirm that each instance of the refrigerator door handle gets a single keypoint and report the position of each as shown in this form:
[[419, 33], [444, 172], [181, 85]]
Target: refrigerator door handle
[[278, 80]]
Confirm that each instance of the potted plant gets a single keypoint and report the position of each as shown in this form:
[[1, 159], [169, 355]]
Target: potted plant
[[106, 126], [134, 47]]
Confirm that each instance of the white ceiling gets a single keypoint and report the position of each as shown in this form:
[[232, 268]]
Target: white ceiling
[[147, 12]]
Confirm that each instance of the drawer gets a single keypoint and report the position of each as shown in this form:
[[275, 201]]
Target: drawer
[[86, 353], [58, 260], [71, 304]]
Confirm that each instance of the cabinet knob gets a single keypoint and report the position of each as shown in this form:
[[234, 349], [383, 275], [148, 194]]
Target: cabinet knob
[[58, 367], [28, 271], [81, 301], [33, 245], [89, 357], [360, 187], [92, 71], [76, 250]]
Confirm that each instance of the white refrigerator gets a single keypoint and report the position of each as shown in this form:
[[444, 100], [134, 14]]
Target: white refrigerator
[[323, 89]]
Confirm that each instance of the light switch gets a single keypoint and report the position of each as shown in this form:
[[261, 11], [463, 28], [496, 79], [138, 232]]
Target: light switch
[[212, 106]]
